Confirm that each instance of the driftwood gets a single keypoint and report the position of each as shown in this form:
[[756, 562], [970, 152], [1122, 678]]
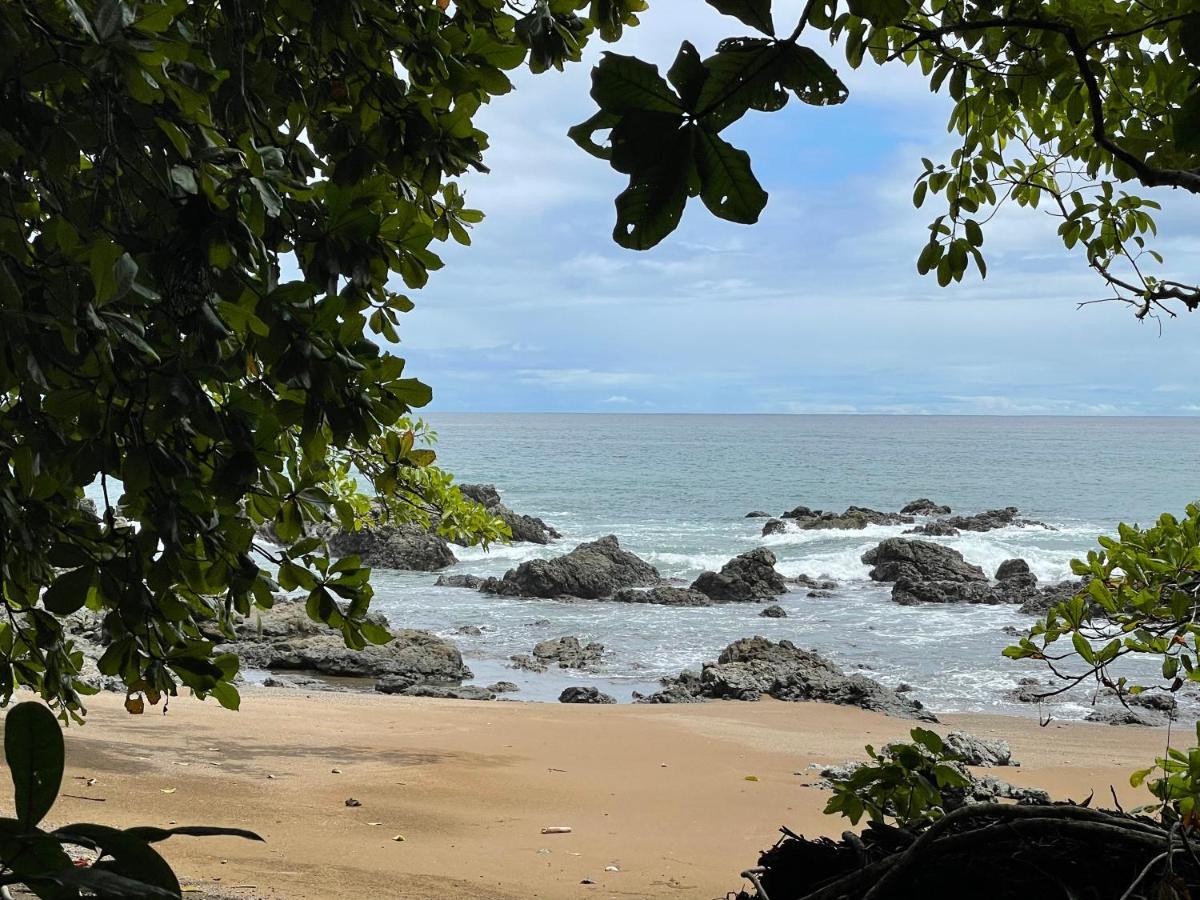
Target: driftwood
[[989, 851]]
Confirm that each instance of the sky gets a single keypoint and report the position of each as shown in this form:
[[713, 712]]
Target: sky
[[817, 308]]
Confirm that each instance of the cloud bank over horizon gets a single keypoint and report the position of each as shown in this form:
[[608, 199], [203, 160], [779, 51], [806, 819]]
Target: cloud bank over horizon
[[816, 309]]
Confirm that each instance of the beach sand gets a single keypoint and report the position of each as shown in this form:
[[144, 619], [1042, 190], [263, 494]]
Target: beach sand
[[660, 792]]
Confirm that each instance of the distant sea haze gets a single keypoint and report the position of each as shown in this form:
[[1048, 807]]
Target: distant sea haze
[[676, 489]]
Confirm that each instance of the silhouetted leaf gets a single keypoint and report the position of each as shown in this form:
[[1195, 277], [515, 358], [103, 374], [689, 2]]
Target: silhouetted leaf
[[755, 13], [33, 749], [728, 186]]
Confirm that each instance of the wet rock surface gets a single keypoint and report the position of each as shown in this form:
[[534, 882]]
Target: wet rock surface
[[745, 578], [584, 695], [917, 560], [663, 596], [592, 570], [752, 667]]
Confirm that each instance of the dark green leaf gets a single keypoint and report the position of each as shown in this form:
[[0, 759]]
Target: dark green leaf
[[755, 13], [622, 84], [727, 185], [33, 748]]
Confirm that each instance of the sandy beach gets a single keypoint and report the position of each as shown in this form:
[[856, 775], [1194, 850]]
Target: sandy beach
[[659, 792]]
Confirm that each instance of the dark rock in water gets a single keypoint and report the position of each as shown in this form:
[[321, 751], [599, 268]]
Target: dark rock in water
[[565, 652], [485, 495], [284, 637], [897, 558], [539, 623], [750, 576], [904, 688], [934, 529], [466, 692], [1012, 631], [774, 526], [820, 584], [393, 547], [528, 529], [469, 630], [474, 582], [775, 611], [973, 751], [1012, 568], [819, 595], [925, 507], [503, 687], [853, 519], [1042, 600], [663, 596], [592, 570], [758, 514], [1155, 700], [909, 592], [1030, 690], [751, 667], [991, 520], [1119, 716], [584, 695]]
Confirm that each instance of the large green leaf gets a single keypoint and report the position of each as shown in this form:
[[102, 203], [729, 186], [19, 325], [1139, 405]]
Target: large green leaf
[[37, 858], [621, 84], [33, 748], [810, 78], [69, 591], [688, 74], [727, 185], [1187, 124], [152, 835], [755, 13], [131, 856], [1189, 37]]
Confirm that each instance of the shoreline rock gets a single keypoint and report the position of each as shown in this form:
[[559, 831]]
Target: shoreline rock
[[593, 570], [748, 577]]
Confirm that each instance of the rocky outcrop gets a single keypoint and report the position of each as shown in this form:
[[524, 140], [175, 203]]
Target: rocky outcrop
[[1041, 600], [758, 514], [748, 577], [973, 751], [566, 652], [284, 637], [910, 592], [584, 695], [774, 526], [925, 507], [751, 667], [775, 611], [991, 520], [897, 558], [934, 529], [529, 529], [853, 519], [384, 546], [474, 582], [391, 685], [592, 570], [663, 596], [819, 584]]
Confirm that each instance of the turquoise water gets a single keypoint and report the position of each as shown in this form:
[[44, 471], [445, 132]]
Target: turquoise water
[[675, 490]]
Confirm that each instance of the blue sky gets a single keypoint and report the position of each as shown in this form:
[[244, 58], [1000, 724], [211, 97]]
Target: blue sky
[[816, 309]]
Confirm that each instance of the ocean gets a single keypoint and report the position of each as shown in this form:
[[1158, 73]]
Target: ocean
[[675, 490]]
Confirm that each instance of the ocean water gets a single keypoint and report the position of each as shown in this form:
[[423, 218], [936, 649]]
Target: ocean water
[[675, 490]]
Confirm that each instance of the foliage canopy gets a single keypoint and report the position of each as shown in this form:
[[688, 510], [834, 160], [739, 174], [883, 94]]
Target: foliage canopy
[[1057, 105], [201, 206]]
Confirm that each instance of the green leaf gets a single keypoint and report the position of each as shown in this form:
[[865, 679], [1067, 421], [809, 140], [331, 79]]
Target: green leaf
[[1189, 38], [621, 84], [688, 74], [1187, 124], [131, 856], [33, 748], [727, 185], [755, 13], [69, 592], [582, 134], [152, 835]]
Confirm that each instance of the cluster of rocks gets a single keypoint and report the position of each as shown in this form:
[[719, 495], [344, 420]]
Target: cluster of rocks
[[566, 652], [751, 667], [1150, 708], [990, 520], [584, 695], [855, 518], [925, 572], [410, 546]]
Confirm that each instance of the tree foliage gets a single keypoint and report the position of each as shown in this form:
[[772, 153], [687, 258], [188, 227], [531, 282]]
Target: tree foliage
[[207, 211], [1058, 105]]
